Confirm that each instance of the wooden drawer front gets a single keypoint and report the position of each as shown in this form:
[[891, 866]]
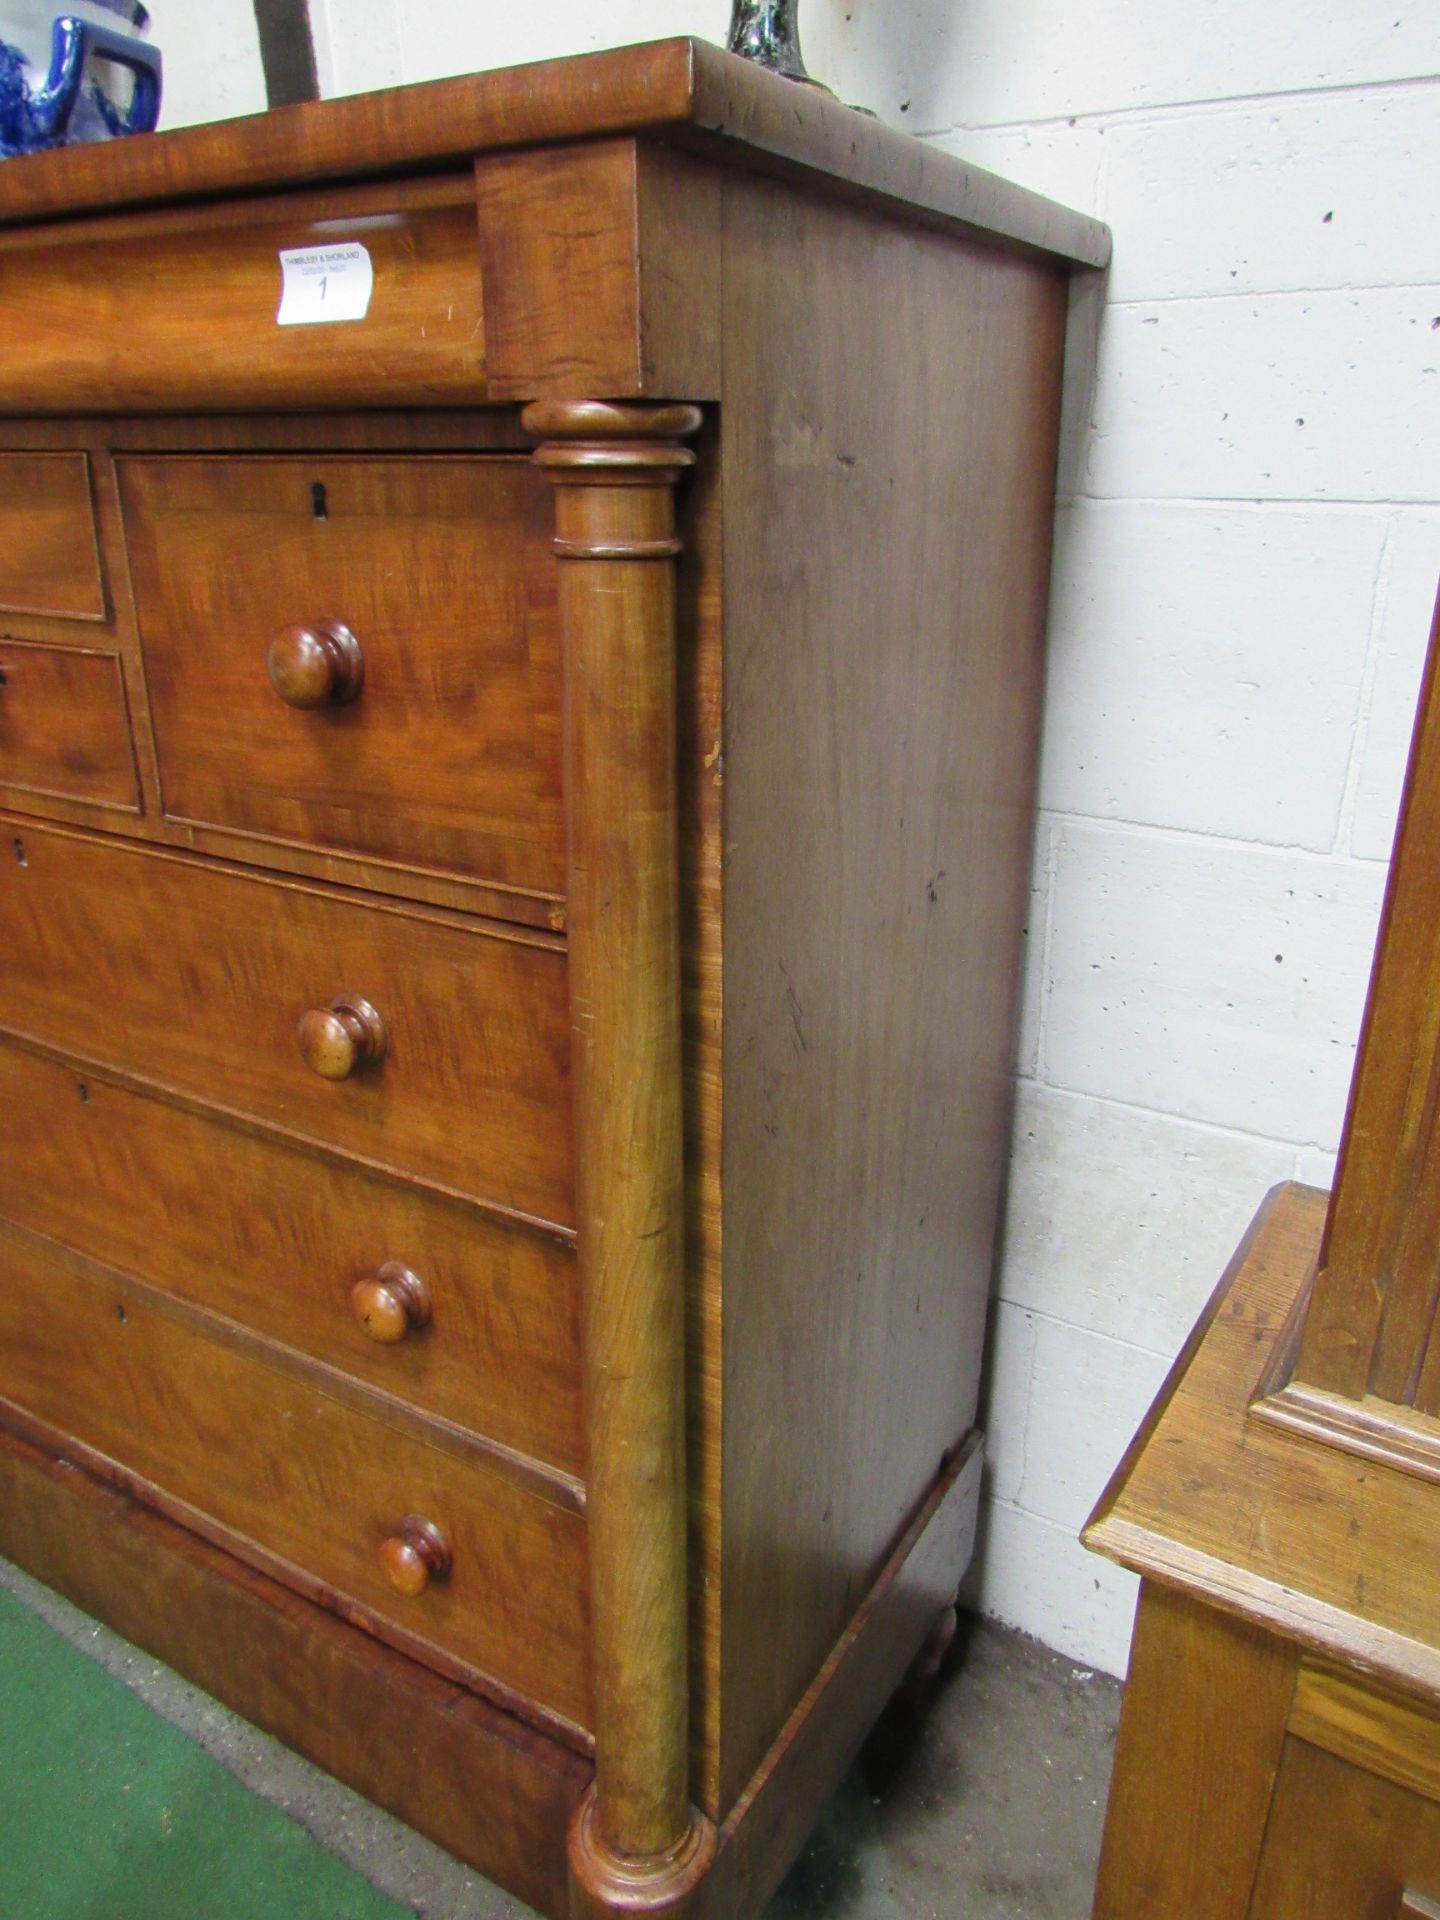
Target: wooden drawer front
[[64, 730], [194, 975], [49, 558], [278, 1238], [296, 1479], [176, 310], [448, 756]]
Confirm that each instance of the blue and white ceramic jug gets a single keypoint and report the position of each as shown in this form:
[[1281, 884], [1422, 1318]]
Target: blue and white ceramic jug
[[72, 72]]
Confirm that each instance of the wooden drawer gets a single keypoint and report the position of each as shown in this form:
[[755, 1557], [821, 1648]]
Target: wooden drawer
[[49, 555], [306, 1484], [193, 975], [64, 728], [447, 756], [278, 1238], [175, 309]]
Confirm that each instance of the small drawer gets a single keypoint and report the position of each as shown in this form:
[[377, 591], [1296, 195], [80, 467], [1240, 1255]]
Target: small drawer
[[64, 728], [49, 551], [355, 654], [306, 1250], [314, 1487], [205, 979]]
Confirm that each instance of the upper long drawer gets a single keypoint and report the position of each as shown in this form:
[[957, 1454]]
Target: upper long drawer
[[195, 975], [434, 740], [179, 309]]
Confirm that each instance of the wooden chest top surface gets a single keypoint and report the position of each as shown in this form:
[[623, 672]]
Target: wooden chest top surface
[[690, 92]]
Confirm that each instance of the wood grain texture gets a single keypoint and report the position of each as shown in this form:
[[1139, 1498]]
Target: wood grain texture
[[315, 436], [558, 257], [456, 430], [306, 1486], [600, 266], [64, 726], [884, 624], [724, 106], [1299, 1495], [76, 299], [493, 1790], [773, 1816], [1200, 1740], [193, 974], [1327, 1549], [1344, 1843], [449, 755], [613, 471], [1387, 1734], [277, 1238], [826, 699], [49, 559], [1369, 1321], [700, 775], [1375, 1429]]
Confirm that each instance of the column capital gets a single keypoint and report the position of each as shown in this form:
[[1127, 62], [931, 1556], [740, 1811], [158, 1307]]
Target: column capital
[[610, 420], [600, 443], [615, 465]]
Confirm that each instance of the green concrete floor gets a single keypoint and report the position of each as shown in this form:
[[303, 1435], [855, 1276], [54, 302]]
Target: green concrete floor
[[126, 1794]]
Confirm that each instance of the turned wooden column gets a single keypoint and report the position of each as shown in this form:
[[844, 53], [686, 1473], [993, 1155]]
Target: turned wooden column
[[636, 1841]]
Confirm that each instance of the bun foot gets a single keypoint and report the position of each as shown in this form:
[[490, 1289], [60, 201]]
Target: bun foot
[[924, 1670], [666, 1886]]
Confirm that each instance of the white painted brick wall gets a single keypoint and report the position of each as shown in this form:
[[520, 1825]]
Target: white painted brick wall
[[212, 61], [1241, 599], [1242, 593], [1171, 630]]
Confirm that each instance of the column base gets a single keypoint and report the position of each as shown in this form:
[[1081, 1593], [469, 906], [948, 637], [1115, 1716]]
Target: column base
[[603, 1883]]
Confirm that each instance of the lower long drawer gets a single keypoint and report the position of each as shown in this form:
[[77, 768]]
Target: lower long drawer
[[278, 1238], [307, 1485]]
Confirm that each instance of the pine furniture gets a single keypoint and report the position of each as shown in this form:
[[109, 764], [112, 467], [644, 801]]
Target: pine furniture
[[1279, 1748], [517, 802]]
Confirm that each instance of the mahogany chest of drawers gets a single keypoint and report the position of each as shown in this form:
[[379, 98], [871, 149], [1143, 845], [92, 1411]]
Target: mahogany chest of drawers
[[516, 795]]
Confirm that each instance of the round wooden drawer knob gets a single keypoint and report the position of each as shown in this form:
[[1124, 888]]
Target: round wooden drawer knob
[[337, 1040], [316, 666], [415, 1556], [391, 1303]]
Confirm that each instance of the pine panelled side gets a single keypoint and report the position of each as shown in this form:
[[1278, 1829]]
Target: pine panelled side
[[1287, 1480], [1369, 1321]]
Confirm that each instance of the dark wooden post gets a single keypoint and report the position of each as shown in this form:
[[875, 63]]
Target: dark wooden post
[[636, 1842]]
